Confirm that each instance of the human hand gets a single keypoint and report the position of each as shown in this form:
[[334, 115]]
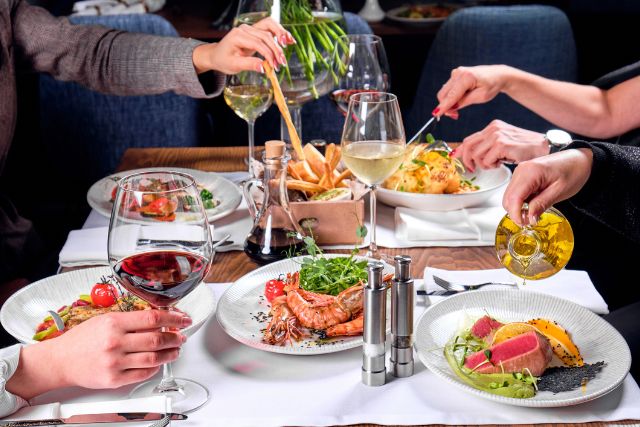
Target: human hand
[[546, 180], [498, 142], [106, 351], [470, 85], [235, 52]]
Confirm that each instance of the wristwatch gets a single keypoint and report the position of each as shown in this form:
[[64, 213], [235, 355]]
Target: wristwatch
[[557, 139]]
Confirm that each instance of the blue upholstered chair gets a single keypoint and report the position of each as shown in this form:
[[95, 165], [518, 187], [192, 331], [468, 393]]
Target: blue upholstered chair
[[91, 130], [534, 38]]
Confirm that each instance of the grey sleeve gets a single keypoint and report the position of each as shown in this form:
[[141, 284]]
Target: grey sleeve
[[106, 60]]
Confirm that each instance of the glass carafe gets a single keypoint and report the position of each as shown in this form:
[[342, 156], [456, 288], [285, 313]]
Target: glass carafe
[[535, 251], [317, 26], [275, 234]]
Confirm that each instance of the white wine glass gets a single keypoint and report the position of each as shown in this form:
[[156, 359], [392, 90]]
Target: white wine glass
[[373, 143], [169, 262], [249, 94]]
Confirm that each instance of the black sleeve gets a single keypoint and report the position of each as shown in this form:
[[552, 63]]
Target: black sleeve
[[612, 193]]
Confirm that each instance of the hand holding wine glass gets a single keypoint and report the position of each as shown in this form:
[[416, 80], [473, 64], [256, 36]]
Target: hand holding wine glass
[[164, 208], [373, 142]]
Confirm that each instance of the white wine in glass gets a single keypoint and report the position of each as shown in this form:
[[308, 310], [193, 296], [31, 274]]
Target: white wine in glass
[[249, 94], [373, 143]]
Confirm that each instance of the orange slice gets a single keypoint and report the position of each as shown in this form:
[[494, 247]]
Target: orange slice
[[511, 330], [560, 341]]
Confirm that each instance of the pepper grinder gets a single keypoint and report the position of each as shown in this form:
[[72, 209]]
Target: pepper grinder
[[402, 303], [375, 327]]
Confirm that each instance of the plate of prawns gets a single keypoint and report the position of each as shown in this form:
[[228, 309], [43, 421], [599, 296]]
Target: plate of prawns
[[295, 321]]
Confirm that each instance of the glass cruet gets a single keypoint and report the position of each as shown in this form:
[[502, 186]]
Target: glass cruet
[[275, 233], [535, 251]]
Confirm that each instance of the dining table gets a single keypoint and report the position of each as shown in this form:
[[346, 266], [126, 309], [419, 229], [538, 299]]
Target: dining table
[[230, 266]]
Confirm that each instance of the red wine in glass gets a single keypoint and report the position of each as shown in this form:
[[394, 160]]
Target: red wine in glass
[[161, 278], [341, 98]]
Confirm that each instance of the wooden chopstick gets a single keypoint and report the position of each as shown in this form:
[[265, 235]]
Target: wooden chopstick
[[284, 110]]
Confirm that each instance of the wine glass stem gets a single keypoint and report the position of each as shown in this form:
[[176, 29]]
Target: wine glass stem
[[373, 248], [250, 126], [168, 382]]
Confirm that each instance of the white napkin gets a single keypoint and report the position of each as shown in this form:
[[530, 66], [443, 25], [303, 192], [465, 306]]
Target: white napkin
[[572, 285], [473, 226], [89, 246], [158, 404], [327, 390]]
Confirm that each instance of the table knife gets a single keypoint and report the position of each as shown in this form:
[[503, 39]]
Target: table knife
[[423, 292], [114, 417]]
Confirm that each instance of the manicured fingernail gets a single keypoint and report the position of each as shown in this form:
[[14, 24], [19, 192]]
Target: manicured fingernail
[[435, 111], [291, 39], [186, 321], [183, 338], [260, 68], [283, 60], [533, 220], [453, 152]]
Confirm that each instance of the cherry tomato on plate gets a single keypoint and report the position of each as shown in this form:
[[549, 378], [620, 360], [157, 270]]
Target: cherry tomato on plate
[[104, 294], [274, 288]]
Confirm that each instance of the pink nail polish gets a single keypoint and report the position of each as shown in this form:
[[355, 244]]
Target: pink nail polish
[[260, 68], [435, 111], [453, 152]]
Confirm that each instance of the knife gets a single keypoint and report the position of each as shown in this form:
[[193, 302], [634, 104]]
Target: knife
[[187, 243], [114, 417], [423, 292]]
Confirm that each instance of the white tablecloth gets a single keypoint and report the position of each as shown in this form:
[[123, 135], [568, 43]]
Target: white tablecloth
[[256, 388]]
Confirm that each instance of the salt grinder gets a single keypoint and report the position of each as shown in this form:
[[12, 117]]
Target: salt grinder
[[375, 328], [402, 303]]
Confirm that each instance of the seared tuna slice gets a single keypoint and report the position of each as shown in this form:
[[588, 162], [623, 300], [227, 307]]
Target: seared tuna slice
[[484, 327], [530, 350]]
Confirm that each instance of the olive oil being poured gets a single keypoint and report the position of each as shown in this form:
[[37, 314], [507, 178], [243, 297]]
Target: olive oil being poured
[[537, 251]]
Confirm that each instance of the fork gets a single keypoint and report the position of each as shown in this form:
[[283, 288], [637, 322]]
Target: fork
[[449, 286]]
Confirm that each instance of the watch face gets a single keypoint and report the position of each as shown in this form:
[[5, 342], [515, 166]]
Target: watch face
[[557, 137]]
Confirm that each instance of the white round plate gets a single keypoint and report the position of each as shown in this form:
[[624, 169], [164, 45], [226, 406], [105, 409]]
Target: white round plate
[[24, 310], [597, 339], [490, 181], [99, 195], [395, 15], [242, 312]]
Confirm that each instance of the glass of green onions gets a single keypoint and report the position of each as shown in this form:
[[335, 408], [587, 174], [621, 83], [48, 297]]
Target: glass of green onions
[[317, 26]]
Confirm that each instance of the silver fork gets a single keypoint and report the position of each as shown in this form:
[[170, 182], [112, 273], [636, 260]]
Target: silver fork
[[458, 287], [162, 422]]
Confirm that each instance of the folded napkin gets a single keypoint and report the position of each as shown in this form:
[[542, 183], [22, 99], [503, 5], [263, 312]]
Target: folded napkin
[[571, 285], [89, 246], [158, 404], [464, 227]]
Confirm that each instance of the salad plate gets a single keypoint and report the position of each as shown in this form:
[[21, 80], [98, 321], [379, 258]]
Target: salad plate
[[243, 312], [25, 309], [597, 340], [489, 181], [226, 194]]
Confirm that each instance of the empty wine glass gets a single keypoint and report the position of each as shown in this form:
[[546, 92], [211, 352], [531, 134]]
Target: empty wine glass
[[373, 142], [360, 64], [249, 94], [160, 250]]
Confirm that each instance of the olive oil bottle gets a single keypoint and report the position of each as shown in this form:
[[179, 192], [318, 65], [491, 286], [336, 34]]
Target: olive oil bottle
[[537, 251]]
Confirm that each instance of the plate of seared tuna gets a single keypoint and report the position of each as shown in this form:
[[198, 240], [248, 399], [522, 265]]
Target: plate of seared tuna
[[522, 348]]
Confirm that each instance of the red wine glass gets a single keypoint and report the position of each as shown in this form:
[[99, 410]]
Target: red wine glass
[[359, 65], [160, 250]]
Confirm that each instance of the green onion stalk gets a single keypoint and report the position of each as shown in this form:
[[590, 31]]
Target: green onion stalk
[[314, 35]]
